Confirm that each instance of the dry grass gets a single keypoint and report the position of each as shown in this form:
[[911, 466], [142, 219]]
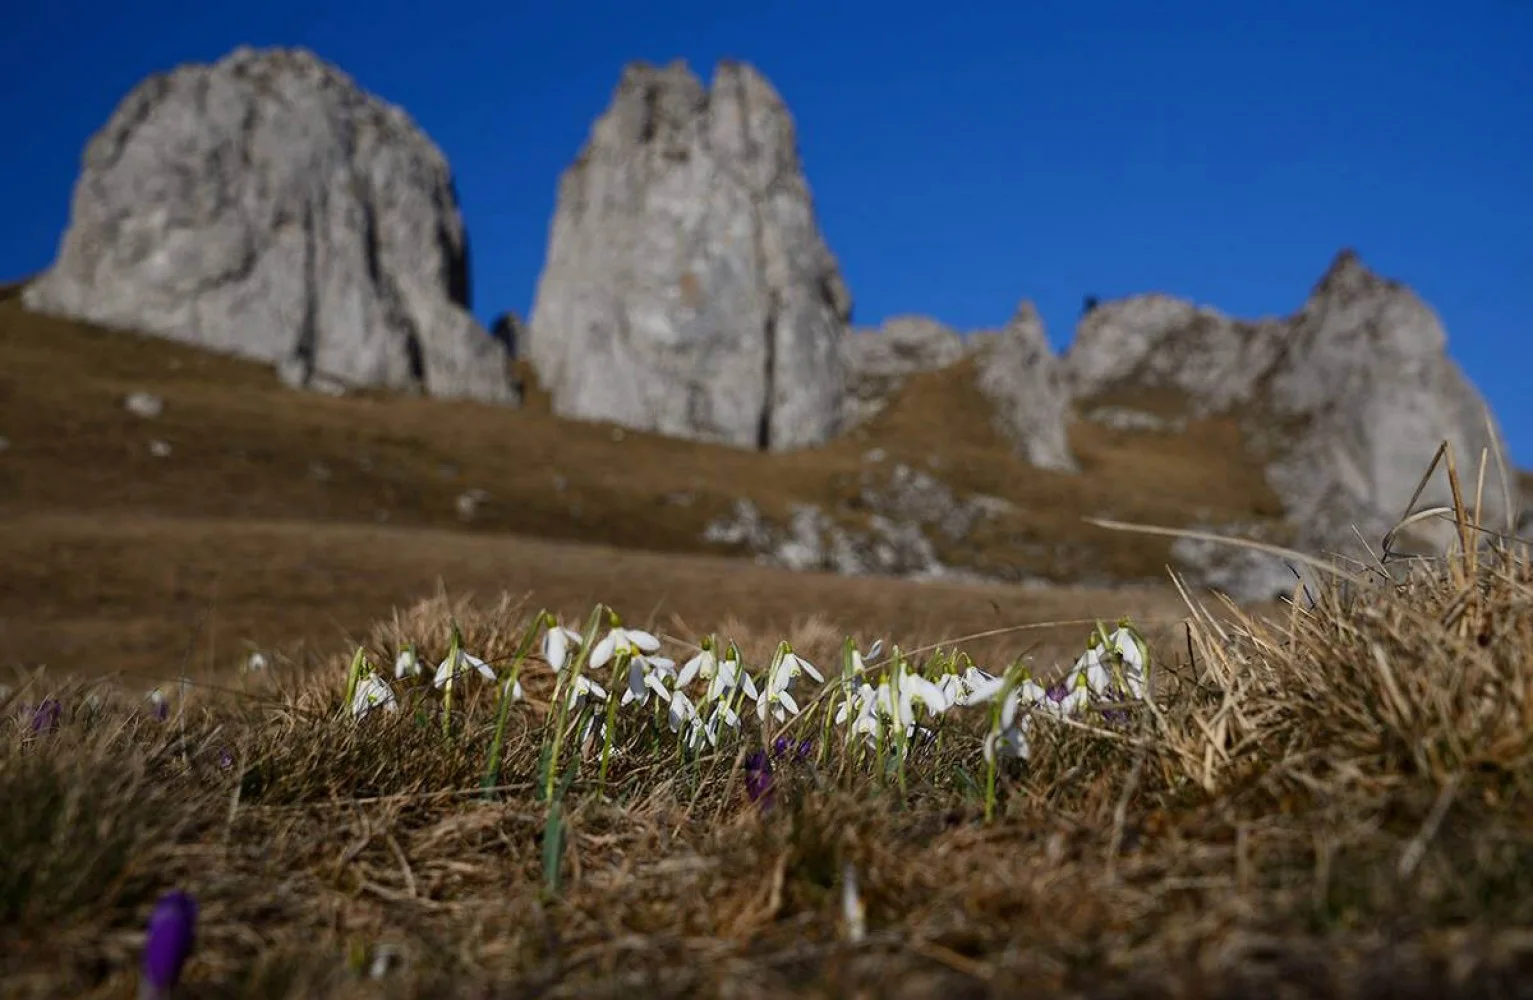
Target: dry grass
[[1331, 803]]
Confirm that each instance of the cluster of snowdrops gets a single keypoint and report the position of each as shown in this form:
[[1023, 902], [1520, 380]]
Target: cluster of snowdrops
[[876, 705]]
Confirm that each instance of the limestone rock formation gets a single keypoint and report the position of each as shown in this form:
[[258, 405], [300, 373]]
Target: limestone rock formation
[[267, 207], [878, 361], [1365, 372], [1024, 382], [687, 289], [1344, 402]]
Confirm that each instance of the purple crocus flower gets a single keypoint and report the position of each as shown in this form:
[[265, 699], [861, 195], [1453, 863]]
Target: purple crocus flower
[[1117, 718], [780, 746], [805, 747], [45, 717], [172, 933], [758, 778], [225, 758], [1057, 691]]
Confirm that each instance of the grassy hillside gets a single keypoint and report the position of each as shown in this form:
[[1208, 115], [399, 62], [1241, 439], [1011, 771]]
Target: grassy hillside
[[279, 514]]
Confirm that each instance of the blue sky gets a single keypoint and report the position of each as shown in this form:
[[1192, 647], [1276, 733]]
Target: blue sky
[[962, 156]]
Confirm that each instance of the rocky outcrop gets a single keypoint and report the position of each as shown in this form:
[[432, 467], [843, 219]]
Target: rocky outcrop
[[1365, 383], [1344, 403], [900, 512], [813, 540], [1024, 382], [687, 289], [877, 362], [265, 206], [1210, 362]]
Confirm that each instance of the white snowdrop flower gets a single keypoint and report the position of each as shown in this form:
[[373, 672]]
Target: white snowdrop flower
[[407, 663], [788, 667], [584, 688], [931, 696], [596, 729], [558, 642], [1031, 693], [704, 664], [682, 711], [256, 662], [1093, 666], [466, 662], [730, 675], [698, 735], [722, 716], [860, 700], [371, 692], [642, 680], [1134, 657], [662, 665], [634, 642], [778, 704], [978, 687], [861, 712], [1009, 736]]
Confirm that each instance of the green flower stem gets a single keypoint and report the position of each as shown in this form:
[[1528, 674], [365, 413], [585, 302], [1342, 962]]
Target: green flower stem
[[562, 704], [619, 666], [453, 649], [507, 696], [353, 676]]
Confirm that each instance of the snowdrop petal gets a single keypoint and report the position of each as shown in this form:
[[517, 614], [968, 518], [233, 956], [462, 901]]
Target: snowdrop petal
[[692, 669], [485, 670], [603, 650], [656, 683], [406, 664], [555, 648]]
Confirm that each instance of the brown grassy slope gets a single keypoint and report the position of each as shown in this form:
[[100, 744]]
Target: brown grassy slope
[[89, 517]]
